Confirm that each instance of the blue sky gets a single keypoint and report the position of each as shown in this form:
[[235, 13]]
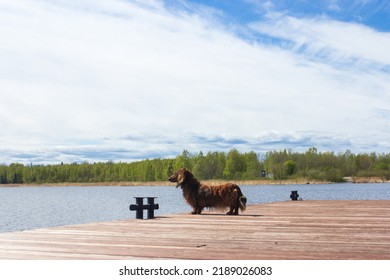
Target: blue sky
[[126, 80], [374, 13]]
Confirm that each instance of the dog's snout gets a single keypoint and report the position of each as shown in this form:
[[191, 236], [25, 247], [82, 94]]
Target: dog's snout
[[172, 179]]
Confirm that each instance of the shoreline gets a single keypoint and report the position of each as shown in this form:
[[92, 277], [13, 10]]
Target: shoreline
[[300, 181], [167, 183]]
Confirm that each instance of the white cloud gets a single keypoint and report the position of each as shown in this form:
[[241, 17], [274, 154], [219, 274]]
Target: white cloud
[[333, 5], [329, 39], [78, 78]]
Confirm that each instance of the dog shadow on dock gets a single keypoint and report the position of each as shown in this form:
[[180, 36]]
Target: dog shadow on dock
[[223, 214], [212, 214]]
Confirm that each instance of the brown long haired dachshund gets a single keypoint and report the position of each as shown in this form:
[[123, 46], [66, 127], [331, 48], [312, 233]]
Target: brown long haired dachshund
[[201, 196]]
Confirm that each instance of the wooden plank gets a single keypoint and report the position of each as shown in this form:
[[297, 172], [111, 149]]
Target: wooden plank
[[282, 230]]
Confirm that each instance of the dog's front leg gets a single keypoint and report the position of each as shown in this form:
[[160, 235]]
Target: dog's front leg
[[196, 211]]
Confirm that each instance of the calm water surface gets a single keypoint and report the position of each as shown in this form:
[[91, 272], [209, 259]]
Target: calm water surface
[[23, 208]]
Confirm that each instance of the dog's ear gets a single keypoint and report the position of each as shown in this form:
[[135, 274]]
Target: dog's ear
[[184, 175]]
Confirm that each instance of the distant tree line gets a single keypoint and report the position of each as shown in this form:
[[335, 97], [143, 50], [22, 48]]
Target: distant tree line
[[326, 166], [232, 165]]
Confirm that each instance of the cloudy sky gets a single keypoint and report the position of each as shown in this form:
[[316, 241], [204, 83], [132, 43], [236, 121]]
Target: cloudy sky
[[124, 80]]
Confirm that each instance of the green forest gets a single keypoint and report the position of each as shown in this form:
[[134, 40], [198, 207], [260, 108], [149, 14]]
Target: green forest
[[232, 165]]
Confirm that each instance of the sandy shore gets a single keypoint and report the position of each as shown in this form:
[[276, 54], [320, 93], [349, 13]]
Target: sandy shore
[[167, 183], [300, 181]]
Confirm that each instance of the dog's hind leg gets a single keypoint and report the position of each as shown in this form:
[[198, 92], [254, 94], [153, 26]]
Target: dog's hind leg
[[233, 210], [234, 204]]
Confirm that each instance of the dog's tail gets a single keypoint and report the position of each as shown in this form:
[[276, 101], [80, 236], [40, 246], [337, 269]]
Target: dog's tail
[[242, 200]]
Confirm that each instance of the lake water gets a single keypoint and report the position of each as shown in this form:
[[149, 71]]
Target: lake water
[[23, 208]]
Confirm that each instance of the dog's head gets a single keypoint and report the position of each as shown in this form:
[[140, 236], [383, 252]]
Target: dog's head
[[180, 176]]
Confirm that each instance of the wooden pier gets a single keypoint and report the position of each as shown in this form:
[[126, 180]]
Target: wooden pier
[[283, 230]]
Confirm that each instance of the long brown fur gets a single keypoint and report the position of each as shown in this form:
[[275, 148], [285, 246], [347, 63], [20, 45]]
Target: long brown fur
[[201, 196]]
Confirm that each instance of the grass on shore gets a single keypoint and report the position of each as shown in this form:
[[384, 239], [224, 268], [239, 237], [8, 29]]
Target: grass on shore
[[299, 181]]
